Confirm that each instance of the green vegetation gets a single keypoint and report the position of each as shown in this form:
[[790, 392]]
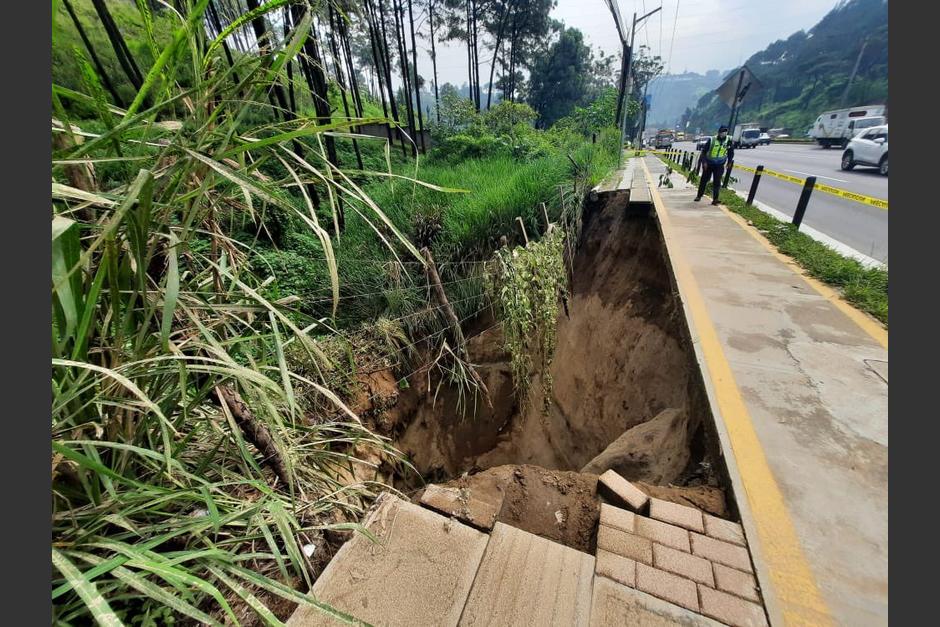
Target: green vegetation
[[808, 73], [219, 278], [526, 287], [866, 288]]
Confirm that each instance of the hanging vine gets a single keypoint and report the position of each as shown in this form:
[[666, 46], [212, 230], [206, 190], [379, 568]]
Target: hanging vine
[[525, 290]]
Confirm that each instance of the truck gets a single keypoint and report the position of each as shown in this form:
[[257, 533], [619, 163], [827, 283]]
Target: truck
[[664, 138], [836, 128], [746, 135]]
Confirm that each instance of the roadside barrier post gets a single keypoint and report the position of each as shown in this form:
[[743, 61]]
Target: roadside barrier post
[[804, 200], [754, 184], [728, 173]]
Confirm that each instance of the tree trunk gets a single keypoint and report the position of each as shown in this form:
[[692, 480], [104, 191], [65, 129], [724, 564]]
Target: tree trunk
[[414, 56], [388, 76], [339, 76], [437, 99], [499, 40], [120, 46], [217, 25], [403, 65], [94, 57]]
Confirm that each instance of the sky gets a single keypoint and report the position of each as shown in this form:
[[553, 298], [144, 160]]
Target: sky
[[709, 34]]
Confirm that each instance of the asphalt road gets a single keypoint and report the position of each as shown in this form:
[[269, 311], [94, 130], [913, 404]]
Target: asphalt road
[[859, 226]]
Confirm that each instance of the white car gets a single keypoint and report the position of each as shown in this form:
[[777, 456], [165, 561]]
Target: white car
[[869, 147]]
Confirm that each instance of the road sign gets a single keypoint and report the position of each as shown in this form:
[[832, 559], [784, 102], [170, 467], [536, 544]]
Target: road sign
[[730, 88]]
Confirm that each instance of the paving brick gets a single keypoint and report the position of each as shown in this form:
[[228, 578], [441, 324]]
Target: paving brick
[[619, 489], [733, 581], [667, 586], [402, 579], [725, 530], [620, 569], [618, 518], [680, 515], [684, 564], [730, 609], [625, 544], [525, 580], [614, 605], [663, 533], [722, 552], [462, 504]]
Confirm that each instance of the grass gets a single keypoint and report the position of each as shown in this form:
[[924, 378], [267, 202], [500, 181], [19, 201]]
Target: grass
[[199, 442], [187, 473], [865, 288]]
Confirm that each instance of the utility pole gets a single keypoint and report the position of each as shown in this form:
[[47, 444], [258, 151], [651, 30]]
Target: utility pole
[[858, 60], [626, 64], [629, 86]]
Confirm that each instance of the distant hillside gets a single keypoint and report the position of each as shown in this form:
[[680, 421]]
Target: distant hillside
[[672, 94], [808, 72]]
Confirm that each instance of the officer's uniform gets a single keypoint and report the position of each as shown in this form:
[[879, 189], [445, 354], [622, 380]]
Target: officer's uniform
[[714, 156]]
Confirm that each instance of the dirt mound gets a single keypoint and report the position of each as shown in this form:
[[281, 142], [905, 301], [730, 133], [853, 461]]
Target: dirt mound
[[656, 451], [561, 506], [709, 499]]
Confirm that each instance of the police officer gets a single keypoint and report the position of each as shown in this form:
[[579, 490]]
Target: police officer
[[715, 153]]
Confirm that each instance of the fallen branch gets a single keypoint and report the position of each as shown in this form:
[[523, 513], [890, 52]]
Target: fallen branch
[[254, 431]]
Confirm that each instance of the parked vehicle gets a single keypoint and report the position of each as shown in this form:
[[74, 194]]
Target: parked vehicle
[[763, 140], [701, 141], [745, 135], [857, 125], [836, 128], [869, 147], [664, 139]]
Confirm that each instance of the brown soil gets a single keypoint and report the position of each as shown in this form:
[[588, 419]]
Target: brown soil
[[558, 505], [626, 391]]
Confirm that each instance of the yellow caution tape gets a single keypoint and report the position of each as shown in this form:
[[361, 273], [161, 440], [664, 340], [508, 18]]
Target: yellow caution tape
[[835, 191]]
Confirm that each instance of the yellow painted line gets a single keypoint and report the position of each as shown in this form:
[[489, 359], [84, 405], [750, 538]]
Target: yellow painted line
[[872, 327], [793, 581]]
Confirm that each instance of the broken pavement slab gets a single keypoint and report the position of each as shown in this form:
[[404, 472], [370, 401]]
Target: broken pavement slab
[[419, 573], [615, 604], [527, 580], [463, 504]]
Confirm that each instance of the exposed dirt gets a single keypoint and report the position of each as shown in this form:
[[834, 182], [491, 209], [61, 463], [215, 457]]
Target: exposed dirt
[[626, 394], [559, 505]]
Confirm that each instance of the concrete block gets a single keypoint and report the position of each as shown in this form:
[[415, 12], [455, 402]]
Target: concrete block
[[618, 518], [615, 604], [724, 530], [684, 564], [663, 533], [419, 573], [462, 504], [736, 582], [680, 515], [620, 569], [527, 580], [622, 491], [625, 544], [730, 609], [721, 552], [667, 586]]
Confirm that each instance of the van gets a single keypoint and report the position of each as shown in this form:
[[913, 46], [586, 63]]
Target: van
[[836, 128]]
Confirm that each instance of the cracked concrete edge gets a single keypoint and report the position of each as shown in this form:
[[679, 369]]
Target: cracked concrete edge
[[762, 572]]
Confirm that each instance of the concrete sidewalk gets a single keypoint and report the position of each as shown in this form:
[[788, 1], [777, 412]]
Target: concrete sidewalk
[[798, 382]]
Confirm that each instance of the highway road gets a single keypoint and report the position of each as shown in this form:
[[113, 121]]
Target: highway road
[[858, 226]]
